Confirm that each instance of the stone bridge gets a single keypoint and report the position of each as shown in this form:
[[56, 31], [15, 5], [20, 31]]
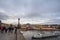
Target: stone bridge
[[11, 36]]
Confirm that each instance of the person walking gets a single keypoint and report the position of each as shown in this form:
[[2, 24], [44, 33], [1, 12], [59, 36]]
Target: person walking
[[2, 29], [11, 28], [15, 29], [6, 29]]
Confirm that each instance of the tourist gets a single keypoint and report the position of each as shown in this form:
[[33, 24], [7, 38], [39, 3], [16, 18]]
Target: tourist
[[11, 28], [15, 29], [2, 28]]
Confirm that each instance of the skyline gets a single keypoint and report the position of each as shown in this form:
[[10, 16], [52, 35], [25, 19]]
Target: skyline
[[30, 11]]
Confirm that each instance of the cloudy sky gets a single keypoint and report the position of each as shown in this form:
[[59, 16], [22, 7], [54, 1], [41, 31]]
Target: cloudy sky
[[30, 11]]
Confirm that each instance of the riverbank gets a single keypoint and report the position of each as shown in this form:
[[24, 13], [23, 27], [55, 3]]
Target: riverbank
[[41, 29]]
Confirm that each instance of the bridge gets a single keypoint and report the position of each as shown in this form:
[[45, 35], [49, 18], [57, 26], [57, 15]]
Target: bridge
[[11, 36]]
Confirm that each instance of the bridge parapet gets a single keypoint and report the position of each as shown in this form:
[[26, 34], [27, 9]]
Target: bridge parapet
[[19, 35]]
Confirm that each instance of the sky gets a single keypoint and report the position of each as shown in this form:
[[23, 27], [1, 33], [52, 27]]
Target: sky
[[30, 11]]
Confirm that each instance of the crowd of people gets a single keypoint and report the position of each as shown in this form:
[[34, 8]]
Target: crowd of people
[[6, 29]]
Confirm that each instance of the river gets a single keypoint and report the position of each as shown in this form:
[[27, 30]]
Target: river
[[28, 34]]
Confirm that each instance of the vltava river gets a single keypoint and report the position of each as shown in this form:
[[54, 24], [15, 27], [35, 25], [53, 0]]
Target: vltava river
[[28, 34]]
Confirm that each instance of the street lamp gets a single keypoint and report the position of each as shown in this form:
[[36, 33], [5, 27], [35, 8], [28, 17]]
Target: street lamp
[[19, 26], [0, 21]]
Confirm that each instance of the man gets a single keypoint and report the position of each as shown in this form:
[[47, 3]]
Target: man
[[11, 28], [15, 29], [2, 28]]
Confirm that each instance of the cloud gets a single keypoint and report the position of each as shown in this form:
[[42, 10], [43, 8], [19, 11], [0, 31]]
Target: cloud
[[3, 16], [31, 9], [54, 21]]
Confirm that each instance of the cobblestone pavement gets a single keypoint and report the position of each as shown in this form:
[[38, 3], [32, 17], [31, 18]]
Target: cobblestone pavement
[[7, 36]]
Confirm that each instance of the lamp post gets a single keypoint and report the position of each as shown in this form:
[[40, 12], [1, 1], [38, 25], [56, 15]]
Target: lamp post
[[0, 21], [19, 26]]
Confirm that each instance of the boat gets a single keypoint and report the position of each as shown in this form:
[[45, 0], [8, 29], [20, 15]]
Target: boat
[[41, 36]]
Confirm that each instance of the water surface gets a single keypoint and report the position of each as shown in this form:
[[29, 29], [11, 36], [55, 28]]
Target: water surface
[[28, 34]]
